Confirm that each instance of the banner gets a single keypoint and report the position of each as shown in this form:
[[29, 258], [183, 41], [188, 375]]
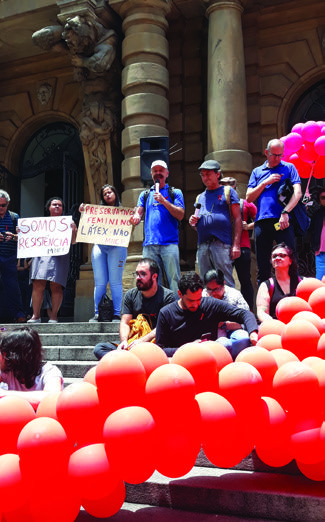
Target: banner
[[44, 236], [104, 225]]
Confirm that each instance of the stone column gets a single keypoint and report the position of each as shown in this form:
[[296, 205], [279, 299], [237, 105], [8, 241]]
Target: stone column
[[227, 109], [145, 109]]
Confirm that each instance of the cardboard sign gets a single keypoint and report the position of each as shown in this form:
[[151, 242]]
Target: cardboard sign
[[44, 236], [104, 225]]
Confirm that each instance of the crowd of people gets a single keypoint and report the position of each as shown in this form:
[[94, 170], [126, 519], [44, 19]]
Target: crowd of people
[[196, 306]]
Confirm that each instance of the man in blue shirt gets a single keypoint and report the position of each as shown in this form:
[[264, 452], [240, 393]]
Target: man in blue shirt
[[162, 210], [263, 187], [218, 240]]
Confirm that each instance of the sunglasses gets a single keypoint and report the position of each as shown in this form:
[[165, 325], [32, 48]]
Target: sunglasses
[[3, 205], [282, 256]]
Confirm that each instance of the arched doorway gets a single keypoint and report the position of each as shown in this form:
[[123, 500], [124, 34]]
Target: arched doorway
[[310, 106], [52, 164]]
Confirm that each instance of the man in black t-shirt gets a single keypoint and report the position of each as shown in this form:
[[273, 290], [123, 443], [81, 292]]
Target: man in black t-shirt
[[147, 298], [192, 317]]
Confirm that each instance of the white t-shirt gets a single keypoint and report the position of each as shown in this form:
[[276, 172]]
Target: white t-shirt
[[49, 374]]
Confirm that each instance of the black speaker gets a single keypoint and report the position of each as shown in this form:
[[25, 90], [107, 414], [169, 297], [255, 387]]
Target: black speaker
[[152, 149]]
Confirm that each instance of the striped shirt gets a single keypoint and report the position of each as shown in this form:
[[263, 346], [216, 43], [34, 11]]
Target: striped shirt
[[8, 248]]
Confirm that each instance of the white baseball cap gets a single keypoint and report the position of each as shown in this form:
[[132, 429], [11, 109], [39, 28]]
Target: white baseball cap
[[159, 163]]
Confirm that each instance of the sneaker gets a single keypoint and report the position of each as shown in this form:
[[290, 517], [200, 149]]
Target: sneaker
[[52, 321], [39, 320], [21, 319], [116, 319], [94, 319]]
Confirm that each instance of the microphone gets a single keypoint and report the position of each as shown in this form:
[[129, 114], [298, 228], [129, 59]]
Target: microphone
[[197, 209], [157, 185]]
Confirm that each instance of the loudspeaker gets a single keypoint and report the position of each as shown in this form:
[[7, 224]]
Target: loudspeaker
[[152, 149]]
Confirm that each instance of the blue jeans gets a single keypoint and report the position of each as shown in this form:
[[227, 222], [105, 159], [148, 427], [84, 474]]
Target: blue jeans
[[102, 349], [243, 269], [235, 342], [108, 265], [8, 269], [215, 255], [320, 265], [265, 234], [167, 257]]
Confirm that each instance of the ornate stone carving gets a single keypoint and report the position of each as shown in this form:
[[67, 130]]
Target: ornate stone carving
[[92, 48], [44, 93]]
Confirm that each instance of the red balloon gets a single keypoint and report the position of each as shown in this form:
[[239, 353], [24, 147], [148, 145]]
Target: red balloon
[[170, 385], [307, 446], [319, 168], [293, 142], [129, 435], [311, 131], [272, 326], [289, 306], [320, 145], [321, 347], [263, 361], [121, 380], [311, 318], [318, 365], [317, 301], [306, 287], [12, 491], [15, 413], [92, 473], [220, 352], [47, 406], [307, 153], [200, 361], [240, 383], [283, 356], [301, 338], [151, 356], [273, 435], [303, 168], [223, 439], [313, 471], [270, 341], [80, 414], [90, 376], [108, 505]]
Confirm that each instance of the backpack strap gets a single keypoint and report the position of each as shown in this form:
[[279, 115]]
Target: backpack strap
[[227, 194], [241, 202], [13, 219]]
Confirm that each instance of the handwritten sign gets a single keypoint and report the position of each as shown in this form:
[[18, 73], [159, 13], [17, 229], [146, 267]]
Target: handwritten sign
[[104, 225], [44, 236]]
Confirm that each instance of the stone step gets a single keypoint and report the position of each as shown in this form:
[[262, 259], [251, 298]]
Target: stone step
[[146, 513], [236, 493], [75, 369], [77, 339], [69, 353], [59, 327]]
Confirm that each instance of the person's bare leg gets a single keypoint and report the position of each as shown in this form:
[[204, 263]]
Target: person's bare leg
[[37, 297], [57, 296]]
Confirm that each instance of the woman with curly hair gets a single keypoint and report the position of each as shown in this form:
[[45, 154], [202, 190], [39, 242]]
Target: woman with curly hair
[[22, 368], [108, 261]]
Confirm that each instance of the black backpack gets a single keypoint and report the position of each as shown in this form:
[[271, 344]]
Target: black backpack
[[105, 309]]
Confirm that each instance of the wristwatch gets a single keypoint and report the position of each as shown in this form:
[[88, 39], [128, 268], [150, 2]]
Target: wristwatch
[[285, 212]]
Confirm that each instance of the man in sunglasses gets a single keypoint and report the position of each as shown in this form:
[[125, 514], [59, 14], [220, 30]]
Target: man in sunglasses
[[263, 187], [8, 258], [147, 298]]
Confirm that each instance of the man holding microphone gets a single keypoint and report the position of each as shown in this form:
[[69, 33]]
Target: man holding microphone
[[162, 208]]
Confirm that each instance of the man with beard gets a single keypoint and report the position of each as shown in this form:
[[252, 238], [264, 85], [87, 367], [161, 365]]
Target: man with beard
[[193, 318], [162, 208], [147, 298]]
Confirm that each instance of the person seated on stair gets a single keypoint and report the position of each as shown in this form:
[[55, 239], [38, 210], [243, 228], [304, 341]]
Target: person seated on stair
[[22, 370]]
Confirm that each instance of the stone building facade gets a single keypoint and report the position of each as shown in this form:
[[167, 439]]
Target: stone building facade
[[83, 80]]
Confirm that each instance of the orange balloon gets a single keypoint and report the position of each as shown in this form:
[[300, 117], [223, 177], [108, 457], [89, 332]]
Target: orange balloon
[[15, 413], [90, 376], [301, 338], [289, 306], [240, 383], [12, 491], [107, 506], [220, 352], [312, 318], [283, 356], [200, 361], [263, 361], [129, 435], [80, 413], [270, 342], [306, 287], [321, 347], [307, 446], [318, 365], [151, 356], [120, 380], [47, 406], [317, 301], [272, 326]]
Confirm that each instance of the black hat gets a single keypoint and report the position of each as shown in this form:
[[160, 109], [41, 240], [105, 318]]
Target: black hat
[[210, 165]]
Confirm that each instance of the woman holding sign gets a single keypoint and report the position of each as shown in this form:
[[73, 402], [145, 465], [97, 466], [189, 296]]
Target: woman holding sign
[[50, 268], [108, 261]]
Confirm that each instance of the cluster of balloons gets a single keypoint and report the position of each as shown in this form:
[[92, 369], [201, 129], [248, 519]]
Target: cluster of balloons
[[304, 146], [138, 411]]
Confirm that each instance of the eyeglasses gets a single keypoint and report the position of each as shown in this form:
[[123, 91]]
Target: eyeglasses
[[275, 155], [3, 205], [214, 290], [140, 274], [321, 197], [282, 256]]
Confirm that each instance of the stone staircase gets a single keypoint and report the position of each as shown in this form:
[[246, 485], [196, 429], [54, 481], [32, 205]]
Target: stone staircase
[[249, 492]]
